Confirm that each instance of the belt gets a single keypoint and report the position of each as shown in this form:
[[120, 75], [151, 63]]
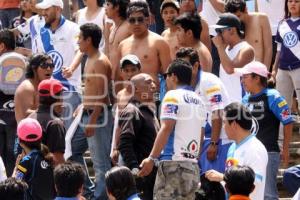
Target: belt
[[89, 111]]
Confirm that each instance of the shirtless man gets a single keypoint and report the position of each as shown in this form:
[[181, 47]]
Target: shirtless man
[[169, 10], [130, 66], [150, 48], [234, 53], [190, 6], [40, 67], [257, 30], [96, 121], [116, 10], [188, 34]]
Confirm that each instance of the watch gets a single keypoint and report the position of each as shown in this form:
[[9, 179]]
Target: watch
[[155, 160]]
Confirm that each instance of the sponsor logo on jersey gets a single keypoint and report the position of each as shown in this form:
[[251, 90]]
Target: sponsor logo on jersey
[[290, 39], [170, 109], [44, 164], [282, 103], [190, 99], [216, 99], [285, 114], [57, 60], [170, 100], [213, 89], [231, 162]]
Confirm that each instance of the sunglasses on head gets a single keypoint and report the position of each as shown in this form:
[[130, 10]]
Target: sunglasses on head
[[46, 65], [134, 20]]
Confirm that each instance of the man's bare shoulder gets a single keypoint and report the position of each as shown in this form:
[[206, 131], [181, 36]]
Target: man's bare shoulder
[[123, 97], [103, 61], [165, 33]]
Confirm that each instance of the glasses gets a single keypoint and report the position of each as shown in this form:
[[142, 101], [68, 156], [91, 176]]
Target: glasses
[[221, 30], [134, 20], [165, 75], [46, 65]]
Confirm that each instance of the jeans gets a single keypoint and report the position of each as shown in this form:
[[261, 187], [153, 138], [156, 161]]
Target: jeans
[[291, 179], [99, 146], [7, 140], [71, 100], [271, 192], [7, 15], [79, 146]]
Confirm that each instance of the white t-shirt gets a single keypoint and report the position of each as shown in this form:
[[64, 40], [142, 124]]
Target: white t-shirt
[[187, 109], [210, 15], [274, 10], [232, 81], [100, 20], [297, 195], [251, 152], [62, 45], [214, 95], [2, 171], [33, 26]]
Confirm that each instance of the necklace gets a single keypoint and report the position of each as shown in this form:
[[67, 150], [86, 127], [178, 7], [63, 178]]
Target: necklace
[[114, 33]]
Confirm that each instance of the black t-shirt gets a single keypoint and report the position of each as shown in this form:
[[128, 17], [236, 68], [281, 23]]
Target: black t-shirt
[[38, 174], [53, 129], [7, 106]]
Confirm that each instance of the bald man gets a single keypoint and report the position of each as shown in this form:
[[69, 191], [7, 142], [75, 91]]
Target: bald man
[[139, 125]]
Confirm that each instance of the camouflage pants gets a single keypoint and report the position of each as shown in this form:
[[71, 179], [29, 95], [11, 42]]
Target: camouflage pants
[[176, 180]]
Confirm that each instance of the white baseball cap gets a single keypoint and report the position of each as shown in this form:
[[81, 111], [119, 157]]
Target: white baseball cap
[[48, 3], [253, 67], [133, 59]]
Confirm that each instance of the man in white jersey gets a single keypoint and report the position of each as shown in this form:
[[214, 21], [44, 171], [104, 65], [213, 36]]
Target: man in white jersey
[[234, 52], [246, 149], [177, 144], [214, 95], [58, 38]]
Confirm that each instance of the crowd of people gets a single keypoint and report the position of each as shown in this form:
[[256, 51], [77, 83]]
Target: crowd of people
[[172, 99]]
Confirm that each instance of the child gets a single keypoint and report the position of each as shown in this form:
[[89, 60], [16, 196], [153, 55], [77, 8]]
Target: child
[[34, 164]]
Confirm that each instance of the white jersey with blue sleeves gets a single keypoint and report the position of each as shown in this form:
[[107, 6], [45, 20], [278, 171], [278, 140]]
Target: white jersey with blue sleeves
[[62, 45]]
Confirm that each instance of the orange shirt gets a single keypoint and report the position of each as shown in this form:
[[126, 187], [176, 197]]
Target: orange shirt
[[4, 4], [239, 197]]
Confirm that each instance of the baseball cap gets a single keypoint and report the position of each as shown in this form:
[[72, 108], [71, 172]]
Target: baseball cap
[[29, 130], [254, 67], [166, 3], [228, 20], [131, 59], [49, 87], [48, 3]]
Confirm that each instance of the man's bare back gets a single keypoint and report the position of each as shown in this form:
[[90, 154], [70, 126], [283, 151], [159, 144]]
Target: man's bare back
[[258, 34], [152, 50], [26, 99], [171, 39], [97, 74], [117, 35]]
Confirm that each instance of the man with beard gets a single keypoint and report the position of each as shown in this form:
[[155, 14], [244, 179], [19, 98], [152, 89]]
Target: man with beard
[[58, 38]]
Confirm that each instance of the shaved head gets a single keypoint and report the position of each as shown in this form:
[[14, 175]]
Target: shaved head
[[144, 86]]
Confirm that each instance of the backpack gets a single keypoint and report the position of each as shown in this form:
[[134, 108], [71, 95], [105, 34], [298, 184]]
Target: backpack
[[12, 72]]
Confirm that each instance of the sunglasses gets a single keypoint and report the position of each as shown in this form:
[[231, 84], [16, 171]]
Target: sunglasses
[[46, 65], [134, 20], [165, 75], [221, 30]]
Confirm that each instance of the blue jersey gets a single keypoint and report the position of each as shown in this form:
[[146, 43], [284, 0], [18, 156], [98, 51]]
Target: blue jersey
[[269, 108], [288, 35]]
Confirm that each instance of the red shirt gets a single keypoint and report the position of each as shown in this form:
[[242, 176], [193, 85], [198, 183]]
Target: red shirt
[[4, 4], [239, 197]]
